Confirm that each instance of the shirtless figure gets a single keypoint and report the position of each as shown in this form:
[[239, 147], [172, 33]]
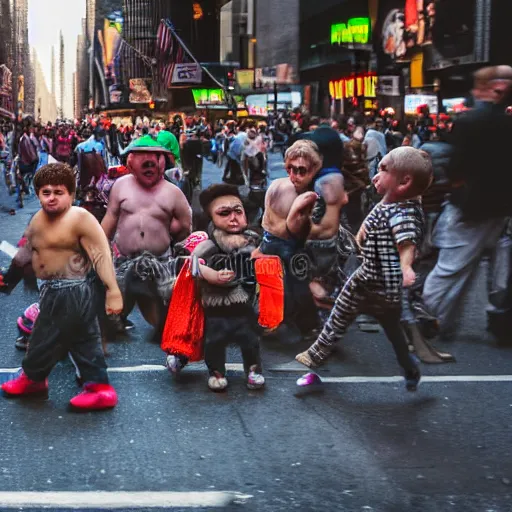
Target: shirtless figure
[[287, 224], [145, 214], [64, 243]]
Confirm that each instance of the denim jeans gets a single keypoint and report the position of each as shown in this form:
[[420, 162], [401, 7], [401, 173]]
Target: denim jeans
[[461, 245]]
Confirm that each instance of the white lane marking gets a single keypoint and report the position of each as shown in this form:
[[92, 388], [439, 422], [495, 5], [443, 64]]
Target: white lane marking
[[349, 379], [8, 249], [427, 378], [119, 500]]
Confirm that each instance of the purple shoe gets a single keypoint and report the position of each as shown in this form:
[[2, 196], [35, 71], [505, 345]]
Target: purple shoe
[[309, 383]]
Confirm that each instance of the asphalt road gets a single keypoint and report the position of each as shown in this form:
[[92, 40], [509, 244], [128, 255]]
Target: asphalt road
[[354, 446]]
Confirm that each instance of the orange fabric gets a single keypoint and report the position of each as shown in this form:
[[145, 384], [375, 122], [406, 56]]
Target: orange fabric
[[269, 274], [184, 326]]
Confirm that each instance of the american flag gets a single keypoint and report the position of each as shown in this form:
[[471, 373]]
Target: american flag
[[170, 52], [164, 40]]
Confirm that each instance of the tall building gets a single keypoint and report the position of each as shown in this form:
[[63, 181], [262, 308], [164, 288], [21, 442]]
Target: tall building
[[23, 84], [45, 103], [277, 32], [6, 58], [81, 82], [62, 83], [141, 21], [237, 41], [52, 80]]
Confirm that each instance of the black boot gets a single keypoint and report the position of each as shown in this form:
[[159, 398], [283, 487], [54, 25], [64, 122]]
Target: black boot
[[422, 348]]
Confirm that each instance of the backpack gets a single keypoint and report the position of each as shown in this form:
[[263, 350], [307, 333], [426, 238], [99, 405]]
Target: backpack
[[27, 151]]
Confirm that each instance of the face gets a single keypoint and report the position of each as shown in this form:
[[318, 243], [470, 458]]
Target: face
[[228, 214], [386, 180], [499, 90], [147, 167], [301, 173], [55, 199]]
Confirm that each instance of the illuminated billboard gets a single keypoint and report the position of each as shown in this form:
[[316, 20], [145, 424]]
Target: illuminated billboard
[[205, 97], [355, 30], [361, 85]]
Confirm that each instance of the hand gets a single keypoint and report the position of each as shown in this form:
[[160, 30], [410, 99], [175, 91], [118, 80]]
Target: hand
[[225, 276], [304, 203], [257, 254], [409, 277], [114, 302]]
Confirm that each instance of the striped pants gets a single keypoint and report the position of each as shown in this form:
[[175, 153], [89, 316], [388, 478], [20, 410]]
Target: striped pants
[[354, 300]]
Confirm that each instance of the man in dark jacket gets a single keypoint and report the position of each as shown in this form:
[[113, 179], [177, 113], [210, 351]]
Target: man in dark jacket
[[473, 220]]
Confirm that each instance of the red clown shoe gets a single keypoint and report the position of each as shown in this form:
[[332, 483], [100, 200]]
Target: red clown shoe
[[95, 397], [22, 386]]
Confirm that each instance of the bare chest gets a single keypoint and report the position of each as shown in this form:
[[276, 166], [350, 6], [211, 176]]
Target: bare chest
[[60, 237], [282, 201], [156, 204]]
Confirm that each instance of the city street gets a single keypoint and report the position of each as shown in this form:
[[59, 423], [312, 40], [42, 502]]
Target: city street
[[363, 443]]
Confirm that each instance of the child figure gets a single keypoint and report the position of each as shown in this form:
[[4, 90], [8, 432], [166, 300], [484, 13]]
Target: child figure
[[388, 238], [228, 287]]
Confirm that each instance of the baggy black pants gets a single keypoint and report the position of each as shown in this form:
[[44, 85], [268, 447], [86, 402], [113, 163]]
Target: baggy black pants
[[221, 331], [67, 322]]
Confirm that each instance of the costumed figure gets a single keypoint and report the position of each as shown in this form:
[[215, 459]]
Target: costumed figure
[[324, 237], [145, 215], [228, 282], [289, 203], [389, 238], [64, 244]]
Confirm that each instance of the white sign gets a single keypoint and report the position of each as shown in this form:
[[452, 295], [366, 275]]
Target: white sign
[[187, 74], [413, 101], [388, 86]]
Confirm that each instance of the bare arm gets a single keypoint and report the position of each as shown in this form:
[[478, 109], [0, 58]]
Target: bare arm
[[181, 224], [407, 252], [298, 221], [216, 277], [95, 244], [109, 222], [332, 189], [19, 263]]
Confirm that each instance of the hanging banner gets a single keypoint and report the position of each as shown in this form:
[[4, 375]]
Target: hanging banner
[[138, 91], [187, 74]]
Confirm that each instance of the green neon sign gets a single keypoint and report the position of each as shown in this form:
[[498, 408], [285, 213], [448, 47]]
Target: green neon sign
[[208, 96], [356, 30]]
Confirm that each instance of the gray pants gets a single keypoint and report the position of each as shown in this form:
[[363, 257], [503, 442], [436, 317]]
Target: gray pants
[[461, 246]]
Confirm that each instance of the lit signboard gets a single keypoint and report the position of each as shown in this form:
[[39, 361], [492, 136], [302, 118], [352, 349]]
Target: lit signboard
[[413, 101], [362, 85], [356, 30], [208, 96]]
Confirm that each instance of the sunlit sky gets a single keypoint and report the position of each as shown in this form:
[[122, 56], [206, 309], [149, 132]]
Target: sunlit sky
[[46, 18]]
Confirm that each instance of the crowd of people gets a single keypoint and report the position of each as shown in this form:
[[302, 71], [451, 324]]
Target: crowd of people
[[370, 224]]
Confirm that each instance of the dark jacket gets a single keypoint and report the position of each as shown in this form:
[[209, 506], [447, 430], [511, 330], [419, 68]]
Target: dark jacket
[[328, 142], [480, 169], [440, 153]]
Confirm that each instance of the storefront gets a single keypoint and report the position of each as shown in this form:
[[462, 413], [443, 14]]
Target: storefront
[[354, 92], [432, 47], [335, 56]]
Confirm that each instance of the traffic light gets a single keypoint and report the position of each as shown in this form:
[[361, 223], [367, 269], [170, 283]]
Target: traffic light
[[152, 105], [231, 79]]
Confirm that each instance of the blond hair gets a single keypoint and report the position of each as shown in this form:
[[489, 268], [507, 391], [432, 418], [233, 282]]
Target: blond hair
[[414, 162], [306, 149]]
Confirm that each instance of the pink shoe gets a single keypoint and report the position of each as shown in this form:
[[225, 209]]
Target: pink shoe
[[22, 385], [95, 397]]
